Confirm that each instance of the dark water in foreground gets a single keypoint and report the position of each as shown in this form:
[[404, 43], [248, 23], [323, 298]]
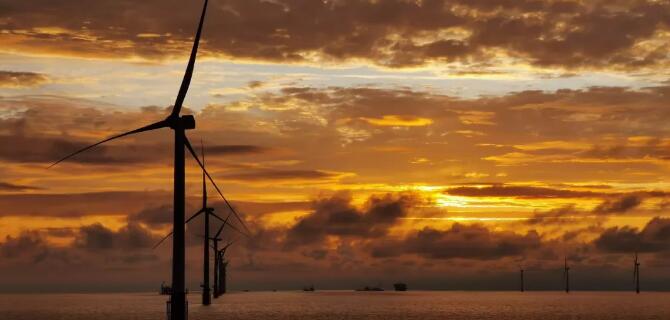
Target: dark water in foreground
[[347, 305]]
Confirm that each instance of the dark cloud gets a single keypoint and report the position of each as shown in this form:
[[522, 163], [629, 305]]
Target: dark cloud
[[573, 234], [621, 205], [28, 242], [154, 216], [12, 79], [654, 237], [336, 216], [97, 237], [562, 215], [460, 241], [569, 214], [395, 33]]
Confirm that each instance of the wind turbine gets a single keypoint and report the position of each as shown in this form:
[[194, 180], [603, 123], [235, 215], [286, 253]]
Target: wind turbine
[[636, 274], [206, 296], [215, 245], [521, 274], [566, 275], [179, 124], [208, 211], [221, 268]]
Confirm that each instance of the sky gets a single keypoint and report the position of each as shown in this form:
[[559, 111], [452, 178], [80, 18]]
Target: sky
[[444, 144]]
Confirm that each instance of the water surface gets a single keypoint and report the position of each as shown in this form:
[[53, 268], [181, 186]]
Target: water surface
[[325, 305]]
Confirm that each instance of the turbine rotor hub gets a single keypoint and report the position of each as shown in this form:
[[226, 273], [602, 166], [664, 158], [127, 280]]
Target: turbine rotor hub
[[186, 122]]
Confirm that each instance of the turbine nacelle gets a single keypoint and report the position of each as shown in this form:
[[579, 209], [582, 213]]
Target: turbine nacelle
[[185, 122]]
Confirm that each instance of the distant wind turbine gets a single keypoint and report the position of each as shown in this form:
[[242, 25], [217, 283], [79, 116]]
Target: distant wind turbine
[[636, 274], [215, 245], [566, 275], [179, 124], [521, 274], [208, 211], [221, 268]]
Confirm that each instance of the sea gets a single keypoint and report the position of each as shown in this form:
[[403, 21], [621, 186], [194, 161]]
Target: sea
[[326, 305]]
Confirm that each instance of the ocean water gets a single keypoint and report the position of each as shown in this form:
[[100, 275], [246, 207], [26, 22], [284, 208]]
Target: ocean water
[[323, 305]]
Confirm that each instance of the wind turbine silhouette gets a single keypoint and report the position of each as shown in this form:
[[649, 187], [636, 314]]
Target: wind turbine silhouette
[[179, 124], [215, 245], [521, 274], [636, 274], [221, 266], [566, 275], [208, 211]]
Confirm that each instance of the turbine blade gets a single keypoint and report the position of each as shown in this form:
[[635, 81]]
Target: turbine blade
[[222, 251], [153, 126], [171, 232], [195, 156], [194, 215], [225, 222], [164, 238], [218, 233], [228, 245], [183, 89]]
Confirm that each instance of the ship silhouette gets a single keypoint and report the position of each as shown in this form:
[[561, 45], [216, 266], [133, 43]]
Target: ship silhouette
[[400, 286], [366, 288], [165, 290]]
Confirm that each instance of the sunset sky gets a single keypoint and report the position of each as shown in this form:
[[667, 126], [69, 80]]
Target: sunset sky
[[440, 143]]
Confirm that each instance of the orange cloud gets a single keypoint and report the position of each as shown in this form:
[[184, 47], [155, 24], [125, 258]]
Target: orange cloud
[[398, 121], [13, 79]]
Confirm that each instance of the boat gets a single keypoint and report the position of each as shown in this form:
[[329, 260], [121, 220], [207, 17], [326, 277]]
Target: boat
[[310, 288], [366, 288], [165, 290], [400, 286]]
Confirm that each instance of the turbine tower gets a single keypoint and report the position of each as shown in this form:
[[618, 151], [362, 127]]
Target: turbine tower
[[566, 275], [636, 274], [179, 124], [521, 283], [206, 295]]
